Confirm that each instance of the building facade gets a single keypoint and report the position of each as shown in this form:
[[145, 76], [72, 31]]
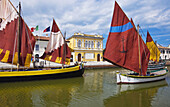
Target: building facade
[[86, 47], [40, 46], [165, 52]]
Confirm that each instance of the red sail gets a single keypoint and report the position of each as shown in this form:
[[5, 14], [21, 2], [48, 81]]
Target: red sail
[[8, 33], [122, 47], [54, 51]]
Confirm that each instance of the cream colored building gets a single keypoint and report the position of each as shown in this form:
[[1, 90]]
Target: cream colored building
[[86, 47], [165, 52]]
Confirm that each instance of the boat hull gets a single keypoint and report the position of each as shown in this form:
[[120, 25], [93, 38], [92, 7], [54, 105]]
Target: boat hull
[[156, 66], [135, 79], [70, 72]]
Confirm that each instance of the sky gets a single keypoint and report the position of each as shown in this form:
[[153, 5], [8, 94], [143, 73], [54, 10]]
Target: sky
[[94, 16]]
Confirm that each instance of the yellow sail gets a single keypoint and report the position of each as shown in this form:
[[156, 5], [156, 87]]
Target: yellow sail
[[154, 51]]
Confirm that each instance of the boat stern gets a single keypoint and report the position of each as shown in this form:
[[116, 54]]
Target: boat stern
[[118, 78]]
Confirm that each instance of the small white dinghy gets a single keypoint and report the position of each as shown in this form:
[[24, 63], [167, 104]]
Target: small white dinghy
[[135, 78]]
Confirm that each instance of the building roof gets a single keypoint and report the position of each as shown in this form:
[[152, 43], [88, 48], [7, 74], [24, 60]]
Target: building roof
[[161, 47], [86, 36], [43, 38]]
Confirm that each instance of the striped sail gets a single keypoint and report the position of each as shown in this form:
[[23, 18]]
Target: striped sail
[[8, 32], [55, 50], [122, 47]]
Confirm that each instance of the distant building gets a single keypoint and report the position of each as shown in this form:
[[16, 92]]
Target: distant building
[[86, 47], [165, 52], [40, 46]]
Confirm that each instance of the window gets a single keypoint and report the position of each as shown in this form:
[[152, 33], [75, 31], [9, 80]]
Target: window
[[71, 59], [37, 47], [92, 44], [98, 44], [163, 51], [76, 42], [89, 44], [86, 44], [37, 58], [79, 43]]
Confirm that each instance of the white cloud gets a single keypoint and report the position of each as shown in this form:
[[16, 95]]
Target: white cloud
[[94, 16]]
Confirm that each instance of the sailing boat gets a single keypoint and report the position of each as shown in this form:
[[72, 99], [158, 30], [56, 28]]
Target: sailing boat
[[57, 50], [17, 45], [126, 49], [154, 54]]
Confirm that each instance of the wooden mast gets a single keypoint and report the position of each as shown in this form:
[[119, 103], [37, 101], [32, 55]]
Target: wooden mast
[[19, 35], [139, 51], [156, 53], [64, 51]]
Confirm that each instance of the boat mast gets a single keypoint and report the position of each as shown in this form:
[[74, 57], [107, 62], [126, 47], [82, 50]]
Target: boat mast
[[139, 51], [64, 50], [19, 35], [156, 52]]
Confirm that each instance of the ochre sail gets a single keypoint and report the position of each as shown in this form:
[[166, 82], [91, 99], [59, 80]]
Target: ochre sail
[[8, 33], [154, 51], [55, 48], [122, 47]]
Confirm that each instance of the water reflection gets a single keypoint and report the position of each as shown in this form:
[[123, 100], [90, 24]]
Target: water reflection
[[97, 88], [161, 99], [135, 95], [155, 94], [39, 93]]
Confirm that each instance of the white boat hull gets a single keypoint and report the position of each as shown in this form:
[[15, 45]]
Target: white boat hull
[[133, 79]]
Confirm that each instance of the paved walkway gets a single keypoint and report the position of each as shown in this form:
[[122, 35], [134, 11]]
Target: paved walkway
[[88, 65], [52, 64]]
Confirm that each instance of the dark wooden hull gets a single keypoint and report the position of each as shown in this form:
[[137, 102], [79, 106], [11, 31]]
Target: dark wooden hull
[[65, 74]]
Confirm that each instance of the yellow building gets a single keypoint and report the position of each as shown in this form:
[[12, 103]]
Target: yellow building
[[86, 47]]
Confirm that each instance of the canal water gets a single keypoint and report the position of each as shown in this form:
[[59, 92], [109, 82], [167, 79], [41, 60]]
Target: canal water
[[97, 88]]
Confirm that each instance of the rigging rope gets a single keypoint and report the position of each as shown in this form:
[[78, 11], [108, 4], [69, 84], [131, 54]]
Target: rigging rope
[[27, 33], [143, 46], [155, 52]]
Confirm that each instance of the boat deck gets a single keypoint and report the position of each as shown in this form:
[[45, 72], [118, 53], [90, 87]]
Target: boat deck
[[159, 72]]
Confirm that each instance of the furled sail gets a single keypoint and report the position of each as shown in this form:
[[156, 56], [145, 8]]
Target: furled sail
[[8, 33], [154, 51], [57, 50], [123, 43]]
